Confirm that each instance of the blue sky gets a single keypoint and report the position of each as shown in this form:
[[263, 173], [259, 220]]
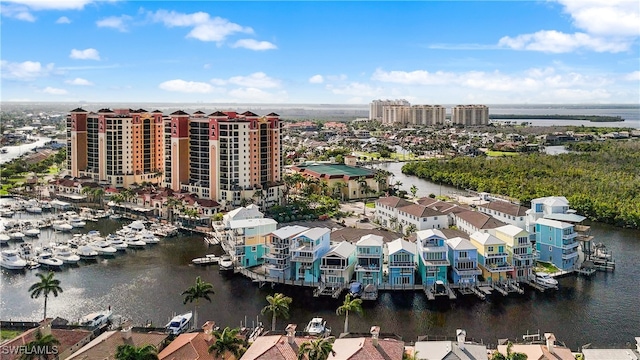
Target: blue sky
[[428, 52]]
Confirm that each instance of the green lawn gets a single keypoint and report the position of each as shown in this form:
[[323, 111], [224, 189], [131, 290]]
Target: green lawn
[[371, 205], [501, 153], [545, 267], [9, 334], [6, 184]]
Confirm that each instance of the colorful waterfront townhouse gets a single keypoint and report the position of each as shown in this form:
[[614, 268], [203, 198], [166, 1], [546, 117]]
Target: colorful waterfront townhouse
[[464, 261], [248, 237], [307, 249], [338, 264], [519, 248], [401, 262], [369, 259], [555, 227], [278, 251], [492, 256], [433, 261]]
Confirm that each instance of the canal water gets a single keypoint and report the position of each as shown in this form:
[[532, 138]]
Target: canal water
[[146, 286]]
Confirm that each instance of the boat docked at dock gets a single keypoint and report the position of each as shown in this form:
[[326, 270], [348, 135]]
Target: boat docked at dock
[[87, 253], [61, 225], [64, 253], [148, 237], [226, 263], [96, 319], [117, 242], [135, 242], [179, 324], [7, 213], [103, 248], [32, 232], [34, 210], [315, 327], [76, 222], [4, 239], [10, 259], [209, 259], [47, 259], [16, 235]]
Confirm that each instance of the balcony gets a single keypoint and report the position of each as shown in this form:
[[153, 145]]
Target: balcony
[[499, 267], [304, 257], [278, 246], [369, 267], [496, 255], [524, 256], [341, 267], [570, 245], [402, 264], [467, 272], [569, 236], [569, 255], [437, 262], [276, 256], [369, 255]]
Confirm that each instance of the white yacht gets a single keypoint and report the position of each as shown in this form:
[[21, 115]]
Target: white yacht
[[179, 324], [87, 253], [117, 242], [34, 210], [96, 319], [137, 226], [148, 237], [61, 225], [134, 241], [27, 252], [47, 259], [76, 221], [11, 260], [64, 253], [115, 216], [226, 263], [16, 235], [4, 239], [32, 232], [7, 213], [317, 326], [103, 248]]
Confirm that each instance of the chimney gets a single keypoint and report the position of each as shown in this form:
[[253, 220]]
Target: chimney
[[551, 339], [375, 332], [207, 328], [126, 330], [461, 337], [291, 333]]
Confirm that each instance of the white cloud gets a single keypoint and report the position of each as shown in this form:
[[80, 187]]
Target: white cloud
[[605, 17], [252, 44], [120, 23], [255, 95], [553, 41], [27, 70], [63, 20], [180, 85], [633, 76], [417, 77], [255, 80], [17, 12], [204, 28], [86, 54], [355, 88], [54, 91], [316, 79], [52, 4], [79, 81]]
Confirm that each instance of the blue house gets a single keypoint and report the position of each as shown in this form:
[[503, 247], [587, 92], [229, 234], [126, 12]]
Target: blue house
[[402, 262], [556, 243], [369, 259], [432, 256], [464, 261], [277, 256], [307, 249], [338, 265]]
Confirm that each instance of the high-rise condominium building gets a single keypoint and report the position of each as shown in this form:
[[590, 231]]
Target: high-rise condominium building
[[414, 115], [226, 156], [470, 115], [121, 146], [376, 108]]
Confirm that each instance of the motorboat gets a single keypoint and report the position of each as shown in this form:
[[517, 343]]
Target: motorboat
[[32, 232], [355, 289], [34, 210], [96, 319], [317, 326], [61, 225], [115, 216], [117, 242], [179, 324], [16, 235], [76, 222], [134, 241], [148, 237], [206, 260], [7, 213], [47, 259], [545, 279], [601, 252], [4, 239], [87, 253], [64, 253], [27, 252], [103, 248], [45, 205], [10, 259], [137, 226], [226, 263]]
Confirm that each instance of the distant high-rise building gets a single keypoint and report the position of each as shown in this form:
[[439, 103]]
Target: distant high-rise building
[[470, 115], [425, 115], [376, 108]]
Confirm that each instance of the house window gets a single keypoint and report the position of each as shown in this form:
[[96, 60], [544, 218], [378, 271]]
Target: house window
[[550, 248], [490, 249], [254, 248]]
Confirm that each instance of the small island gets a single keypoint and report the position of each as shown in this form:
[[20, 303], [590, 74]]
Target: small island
[[591, 118]]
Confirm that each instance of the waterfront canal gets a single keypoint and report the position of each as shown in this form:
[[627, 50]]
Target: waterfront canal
[[146, 285]]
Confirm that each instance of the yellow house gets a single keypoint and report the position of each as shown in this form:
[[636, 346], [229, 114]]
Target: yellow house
[[492, 256], [519, 248]]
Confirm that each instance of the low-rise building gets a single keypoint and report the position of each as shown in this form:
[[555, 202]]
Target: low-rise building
[[464, 261], [421, 217], [369, 257], [402, 262], [387, 211], [505, 211], [433, 261], [472, 221], [278, 254], [307, 249], [492, 256], [460, 349], [519, 248], [338, 264], [352, 178]]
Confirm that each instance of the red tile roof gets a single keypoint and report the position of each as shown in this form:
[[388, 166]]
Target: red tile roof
[[506, 208], [393, 201], [420, 211]]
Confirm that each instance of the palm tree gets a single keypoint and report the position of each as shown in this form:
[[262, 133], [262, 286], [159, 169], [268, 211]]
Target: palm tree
[[337, 189], [227, 341], [414, 190], [318, 349], [364, 188], [97, 194], [45, 286], [381, 177], [348, 305], [172, 203], [397, 186], [88, 191], [41, 346], [510, 355], [278, 306], [131, 352], [258, 194], [201, 290]]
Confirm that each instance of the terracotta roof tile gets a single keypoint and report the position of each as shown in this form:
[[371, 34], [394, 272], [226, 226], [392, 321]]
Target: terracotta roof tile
[[420, 211], [393, 201], [179, 113], [506, 208]]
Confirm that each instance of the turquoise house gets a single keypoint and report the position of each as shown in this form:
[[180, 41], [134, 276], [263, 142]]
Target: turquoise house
[[402, 262], [433, 262], [370, 256], [307, 249]]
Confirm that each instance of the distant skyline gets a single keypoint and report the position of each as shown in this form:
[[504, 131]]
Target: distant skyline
[[428, 52]]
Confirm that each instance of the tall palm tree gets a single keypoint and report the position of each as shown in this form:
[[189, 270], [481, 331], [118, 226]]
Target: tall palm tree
[[88, 191], [414, 190], [41, 347], [349, 305], [364, 188], [397, 185], [258, 194], [98, 194], [510, 354], [337, 189], [171, 204], [201, 290], [227, 341], [47, 285], [131, 352], [381, 177], [318, 349], [278, 307]]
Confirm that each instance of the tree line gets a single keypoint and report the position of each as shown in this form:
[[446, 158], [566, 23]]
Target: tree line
[[603, 185]]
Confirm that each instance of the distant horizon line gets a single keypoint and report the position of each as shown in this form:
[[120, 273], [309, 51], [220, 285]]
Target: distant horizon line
[[319, 104]]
